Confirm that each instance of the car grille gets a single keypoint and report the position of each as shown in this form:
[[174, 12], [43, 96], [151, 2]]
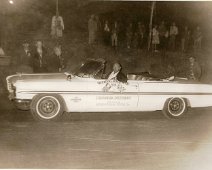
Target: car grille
[[9, 86]]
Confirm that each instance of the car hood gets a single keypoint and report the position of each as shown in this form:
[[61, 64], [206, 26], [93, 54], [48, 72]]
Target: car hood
[[11, 80], [55, 84], [14, 78]]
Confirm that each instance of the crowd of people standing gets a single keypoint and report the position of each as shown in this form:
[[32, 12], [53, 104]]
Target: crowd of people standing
[[39, 60], [136, 35]]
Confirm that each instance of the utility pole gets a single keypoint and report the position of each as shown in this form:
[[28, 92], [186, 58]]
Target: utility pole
[[150, 24], [57, 8]]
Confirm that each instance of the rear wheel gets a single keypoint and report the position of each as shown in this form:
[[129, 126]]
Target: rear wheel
[[47, 107], [175, 108]]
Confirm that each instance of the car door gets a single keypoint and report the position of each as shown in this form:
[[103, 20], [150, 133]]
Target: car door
[[102, 96], [115, 96]]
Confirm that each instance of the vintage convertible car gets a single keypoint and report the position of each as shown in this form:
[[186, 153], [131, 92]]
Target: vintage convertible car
[[48, 96]]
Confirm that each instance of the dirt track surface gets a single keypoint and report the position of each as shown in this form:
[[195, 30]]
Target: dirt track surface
[[106, 140]]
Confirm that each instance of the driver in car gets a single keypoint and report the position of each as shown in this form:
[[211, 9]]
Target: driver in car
[[116, 74]]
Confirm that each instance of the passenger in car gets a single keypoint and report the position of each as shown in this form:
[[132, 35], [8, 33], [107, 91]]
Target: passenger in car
[[116, 74]]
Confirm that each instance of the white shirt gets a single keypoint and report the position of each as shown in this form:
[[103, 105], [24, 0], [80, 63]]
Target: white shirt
[[106, 28], [2, 51], [112, 75], [40, 52]]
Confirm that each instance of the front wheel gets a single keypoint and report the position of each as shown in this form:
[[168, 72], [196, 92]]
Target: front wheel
[[175, 108], [45, 107]]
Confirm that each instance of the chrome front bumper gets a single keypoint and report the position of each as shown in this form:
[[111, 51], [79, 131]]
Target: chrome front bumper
[[22, 104], [11, 96]]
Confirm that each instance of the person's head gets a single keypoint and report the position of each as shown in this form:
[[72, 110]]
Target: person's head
[[173, 24], [39, 44], [116, 67], [198, 28], [115, 24], [162, 22], [25, 45], [57, 50], [92, 16], [191, 59], [186, 27], [139, 25], [106, 22]]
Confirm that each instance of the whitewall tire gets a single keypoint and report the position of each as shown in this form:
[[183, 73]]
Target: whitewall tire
[[47, 107], [175, 107]]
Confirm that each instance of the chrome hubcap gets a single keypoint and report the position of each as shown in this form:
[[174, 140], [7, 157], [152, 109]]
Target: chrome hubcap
[[48, 107], [175, 105]]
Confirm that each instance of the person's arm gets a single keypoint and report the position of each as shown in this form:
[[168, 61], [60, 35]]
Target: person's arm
[[197, 71], [53, 22], [122, 77], [45, 57], [177, 31]]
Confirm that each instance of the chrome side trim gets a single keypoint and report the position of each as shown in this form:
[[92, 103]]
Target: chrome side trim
[[115, 93]]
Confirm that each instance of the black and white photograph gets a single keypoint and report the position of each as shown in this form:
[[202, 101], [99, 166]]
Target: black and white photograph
[[103, 84]]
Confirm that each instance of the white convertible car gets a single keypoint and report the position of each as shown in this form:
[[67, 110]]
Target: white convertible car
[[48, 96]]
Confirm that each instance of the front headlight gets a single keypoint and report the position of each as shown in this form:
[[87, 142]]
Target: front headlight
[[9, 86], [12, 92], [11, 96], [13, 87]]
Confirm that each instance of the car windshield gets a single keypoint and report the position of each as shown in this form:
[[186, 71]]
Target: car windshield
[[89, 68]]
